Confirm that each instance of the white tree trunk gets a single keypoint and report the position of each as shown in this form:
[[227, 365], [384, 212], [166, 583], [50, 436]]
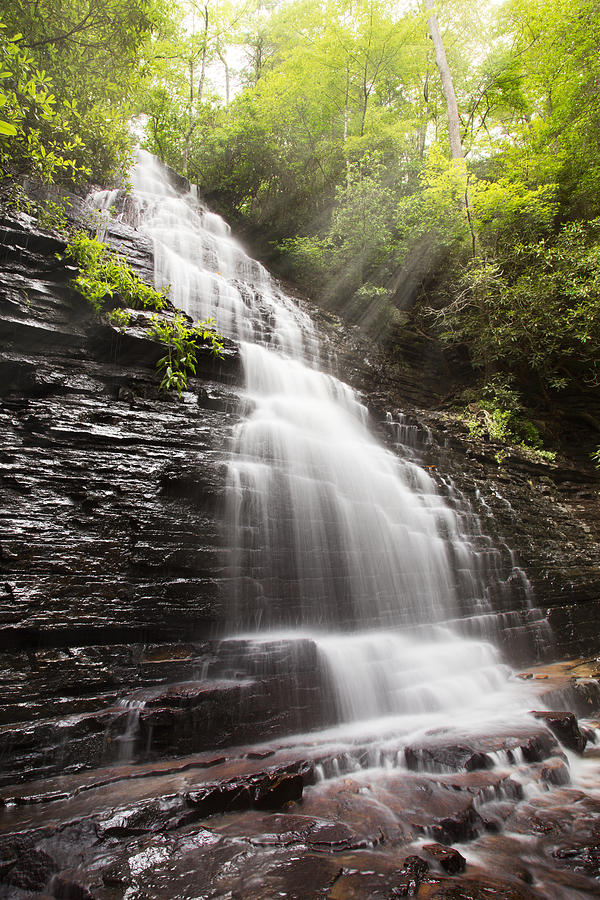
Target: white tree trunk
[[456, 148]]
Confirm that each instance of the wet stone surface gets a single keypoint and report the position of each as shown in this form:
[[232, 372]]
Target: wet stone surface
[[352, 837], [112, 572], [450, 860], [564, 726], [258, 823]]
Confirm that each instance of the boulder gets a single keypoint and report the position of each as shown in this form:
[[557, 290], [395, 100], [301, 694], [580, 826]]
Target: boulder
[[566, 728], [450, 860]]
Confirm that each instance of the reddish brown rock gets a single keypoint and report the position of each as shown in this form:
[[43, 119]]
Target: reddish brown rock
[[266, 790], [581, 859], [566, 728], [538, 747], [450, 860], [409, 878], [554, 771], [462, 826], [277, 791], [484, 889], [454, 757]]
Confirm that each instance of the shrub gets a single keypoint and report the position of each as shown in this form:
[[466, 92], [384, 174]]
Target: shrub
[[180, 340], [498, 412], [104, 276]]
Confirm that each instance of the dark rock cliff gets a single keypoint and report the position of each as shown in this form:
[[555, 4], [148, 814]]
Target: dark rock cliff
[[110, 493], [543, 516], [113, 575], [111, 498]]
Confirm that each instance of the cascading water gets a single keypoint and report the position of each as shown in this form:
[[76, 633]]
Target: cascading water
[[333, 537], [353, 708]]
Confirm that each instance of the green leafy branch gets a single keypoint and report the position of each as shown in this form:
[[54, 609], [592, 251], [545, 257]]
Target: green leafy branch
[[105, 276], [180, 341], [36, 131], [498, 413]]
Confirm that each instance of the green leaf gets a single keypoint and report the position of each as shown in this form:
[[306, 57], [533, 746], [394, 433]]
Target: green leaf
[[6, 129]]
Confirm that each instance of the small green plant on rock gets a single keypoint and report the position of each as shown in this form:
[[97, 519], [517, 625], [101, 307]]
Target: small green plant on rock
[[105, 276], [118, 317], [50, 214], [498, 413], [180, 340], [16, 199], [53, 215]]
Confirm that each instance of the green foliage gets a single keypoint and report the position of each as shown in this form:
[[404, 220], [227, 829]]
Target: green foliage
[[498, 413], [105, 276], [180, 340], [504, 207], [336, 151], [178, 98], [68, 74], [539, 308], [118, 317], [325, 89], [15, 198], [556, 61], [53, 215], [50, 214], [33, 138], [357, 238], [596, 458]]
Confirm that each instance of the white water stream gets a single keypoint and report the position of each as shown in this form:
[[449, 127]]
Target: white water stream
[[333, 537]]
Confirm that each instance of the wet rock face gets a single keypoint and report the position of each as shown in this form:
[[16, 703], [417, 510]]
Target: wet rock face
[[450, 860], [112, 494], [410, 877], [566, 728], [98, 544], [240, 826], [447, 757], [266, 791], [96, 721], [549, 516], [29, 869]]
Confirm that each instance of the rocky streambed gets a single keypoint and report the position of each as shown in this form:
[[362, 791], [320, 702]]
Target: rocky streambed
[[446, 813]]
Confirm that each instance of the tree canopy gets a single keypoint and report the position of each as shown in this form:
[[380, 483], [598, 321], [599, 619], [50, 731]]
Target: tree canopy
[[71, 69], [325, 129]]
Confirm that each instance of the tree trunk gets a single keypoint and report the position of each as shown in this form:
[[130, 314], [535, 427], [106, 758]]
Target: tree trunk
[[203, 59], [186, 147], [346, 105], [456, 149], [422, 133], [221, 56]]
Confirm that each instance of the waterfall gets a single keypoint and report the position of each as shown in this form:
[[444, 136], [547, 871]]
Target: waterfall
[[333, 537]]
